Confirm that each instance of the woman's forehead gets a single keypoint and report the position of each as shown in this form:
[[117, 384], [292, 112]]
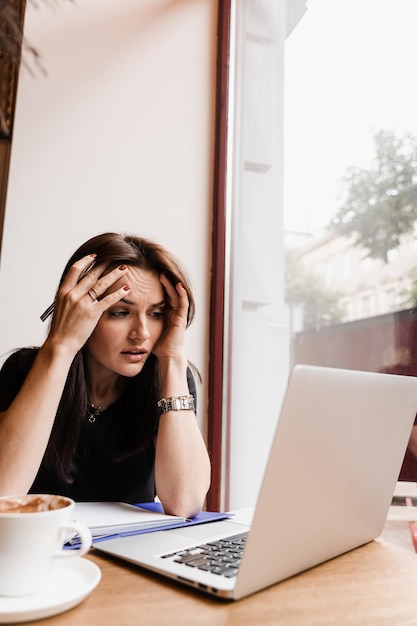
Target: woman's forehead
[[145, 282]]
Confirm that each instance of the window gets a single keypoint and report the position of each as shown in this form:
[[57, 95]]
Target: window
[[344, 131], [308, 108]]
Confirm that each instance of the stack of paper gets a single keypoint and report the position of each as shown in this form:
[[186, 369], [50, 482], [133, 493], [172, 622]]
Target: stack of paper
[[109, 519]]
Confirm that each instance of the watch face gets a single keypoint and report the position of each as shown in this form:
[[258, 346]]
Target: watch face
[[176, 404]]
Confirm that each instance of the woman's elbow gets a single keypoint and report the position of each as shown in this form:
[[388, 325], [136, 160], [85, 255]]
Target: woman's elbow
[[184, 503]]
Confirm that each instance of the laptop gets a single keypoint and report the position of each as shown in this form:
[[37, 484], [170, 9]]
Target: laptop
[[327, 487]]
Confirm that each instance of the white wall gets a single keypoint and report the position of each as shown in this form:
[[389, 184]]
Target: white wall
[[117, 136]]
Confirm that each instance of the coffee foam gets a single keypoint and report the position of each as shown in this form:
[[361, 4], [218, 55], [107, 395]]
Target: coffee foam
[[32, 503]]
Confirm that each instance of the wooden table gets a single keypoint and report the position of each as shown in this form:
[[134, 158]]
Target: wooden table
[[373, 585]]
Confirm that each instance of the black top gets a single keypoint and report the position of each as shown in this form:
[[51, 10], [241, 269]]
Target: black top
[[98, 476]]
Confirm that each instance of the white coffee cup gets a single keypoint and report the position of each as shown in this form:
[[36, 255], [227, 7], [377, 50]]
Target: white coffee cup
[[32, 534]]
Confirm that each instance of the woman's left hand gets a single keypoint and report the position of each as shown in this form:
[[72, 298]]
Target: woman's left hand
[[171, 342]]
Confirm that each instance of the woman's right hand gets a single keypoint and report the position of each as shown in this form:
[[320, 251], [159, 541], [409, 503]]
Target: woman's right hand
[[80, 302]]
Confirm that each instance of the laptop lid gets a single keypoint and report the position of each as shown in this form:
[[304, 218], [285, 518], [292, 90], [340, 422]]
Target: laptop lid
[[328, 482]]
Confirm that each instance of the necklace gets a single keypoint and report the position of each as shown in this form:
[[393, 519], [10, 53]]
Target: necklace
[[93, 412]]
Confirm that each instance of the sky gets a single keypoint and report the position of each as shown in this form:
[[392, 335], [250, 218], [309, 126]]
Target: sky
[[350, 70]]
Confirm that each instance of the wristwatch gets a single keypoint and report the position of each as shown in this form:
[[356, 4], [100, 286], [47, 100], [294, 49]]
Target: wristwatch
[[179, 403]]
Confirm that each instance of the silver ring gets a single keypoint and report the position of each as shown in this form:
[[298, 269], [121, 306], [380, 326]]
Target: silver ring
[[93, 294]]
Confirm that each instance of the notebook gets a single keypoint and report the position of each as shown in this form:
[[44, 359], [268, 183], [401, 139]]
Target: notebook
[[327, 487]]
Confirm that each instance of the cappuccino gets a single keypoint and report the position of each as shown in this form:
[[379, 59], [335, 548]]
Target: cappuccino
[[32, 503]]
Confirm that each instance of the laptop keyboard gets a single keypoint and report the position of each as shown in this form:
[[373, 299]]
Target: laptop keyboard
[[220, 557]]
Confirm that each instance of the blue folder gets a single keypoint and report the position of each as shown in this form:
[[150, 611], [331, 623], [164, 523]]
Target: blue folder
[[202, 518]]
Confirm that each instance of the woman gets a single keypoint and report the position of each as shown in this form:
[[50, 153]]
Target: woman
[[103, 410]]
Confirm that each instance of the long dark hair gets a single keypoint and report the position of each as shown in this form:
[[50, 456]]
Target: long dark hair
[[142, 394]]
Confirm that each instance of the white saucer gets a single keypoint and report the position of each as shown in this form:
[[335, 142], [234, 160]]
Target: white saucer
[[73, 579]]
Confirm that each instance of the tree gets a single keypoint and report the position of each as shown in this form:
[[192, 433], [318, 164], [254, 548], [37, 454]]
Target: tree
[[381, 202], [408, 297], [303, 287]]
